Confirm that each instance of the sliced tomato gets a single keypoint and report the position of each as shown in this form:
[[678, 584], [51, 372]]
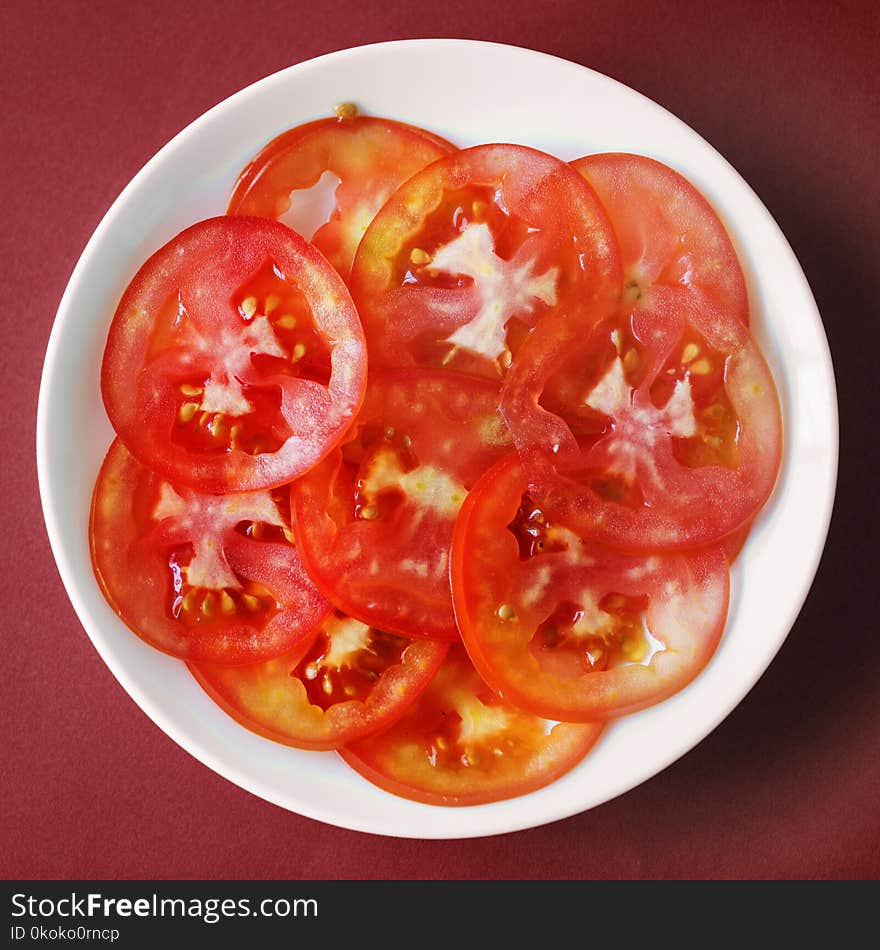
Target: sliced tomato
[[327, 179], [570, 629], [202, 577], [350, 681], [668, 233], [236, 359], [461, 744], [374, 520], [471, 253], [664, 425]]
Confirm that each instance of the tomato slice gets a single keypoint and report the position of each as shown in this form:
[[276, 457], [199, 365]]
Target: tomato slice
[[350, 681], [202, 577], [461, 744], [668, 233], [327, 179], [570, 629], [470, 254], [374, 520], [236, 359], [664, 425]]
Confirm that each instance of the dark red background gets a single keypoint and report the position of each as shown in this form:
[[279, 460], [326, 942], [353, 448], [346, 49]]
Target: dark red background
[[789, 785]]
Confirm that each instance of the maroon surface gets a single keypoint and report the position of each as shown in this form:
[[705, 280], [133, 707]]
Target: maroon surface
[[788, 785]]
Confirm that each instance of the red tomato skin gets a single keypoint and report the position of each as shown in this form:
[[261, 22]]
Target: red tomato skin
[[344, 722], [602, 694], [303, 153], [375, 758], [142, 405], [414, 605], [686, 245], [133, 577]]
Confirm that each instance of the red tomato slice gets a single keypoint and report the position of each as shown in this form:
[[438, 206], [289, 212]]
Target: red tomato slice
[[347, 683], [361, 158], [669, 235], [202, 577], [236, 359], [567, 628], [470, 254], [461, 744], [374, 521], [665, 425]]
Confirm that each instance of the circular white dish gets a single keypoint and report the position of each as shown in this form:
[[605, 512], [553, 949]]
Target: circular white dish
[[451, 88]]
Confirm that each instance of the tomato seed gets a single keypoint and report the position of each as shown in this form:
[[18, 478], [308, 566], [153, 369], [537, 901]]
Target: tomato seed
[[631, 361], [248, 307], [346, 110], [690, 353], [251, 603]]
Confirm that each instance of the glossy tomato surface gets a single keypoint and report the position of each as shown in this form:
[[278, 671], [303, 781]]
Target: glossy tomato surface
[[669, 235], [235, 359], [661, 427], [374, 521], [203, 577], [349, 681], [571, 629], [461, 744], [469, 255], [327, 179]]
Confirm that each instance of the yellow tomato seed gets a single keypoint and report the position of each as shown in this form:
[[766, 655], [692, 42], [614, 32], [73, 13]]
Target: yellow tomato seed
[[208, 605], [690, 353], [346, 110], [631, 361]]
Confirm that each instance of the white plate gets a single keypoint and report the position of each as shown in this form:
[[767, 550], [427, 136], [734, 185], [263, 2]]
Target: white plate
[[454, 88]]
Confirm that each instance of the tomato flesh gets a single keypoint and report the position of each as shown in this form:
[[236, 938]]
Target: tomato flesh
[[349, 681], [207, 577], [365, 158], [472, 253], [461, 744], [374, 521], [669, 235], [235, 359], [570, 629]]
